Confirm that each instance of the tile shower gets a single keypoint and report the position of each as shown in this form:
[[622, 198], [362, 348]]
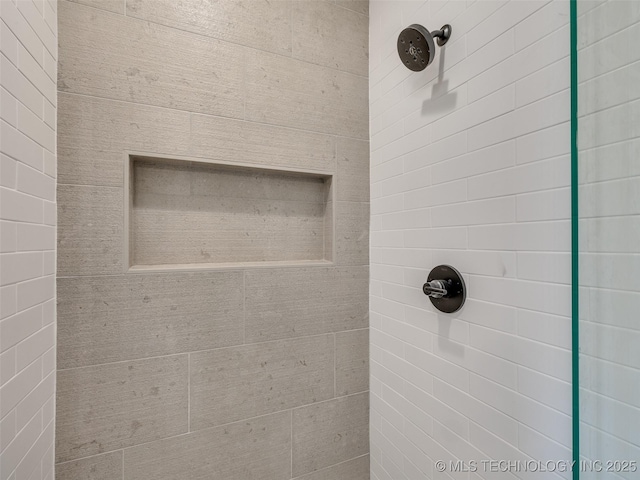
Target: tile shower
[[213, 209]]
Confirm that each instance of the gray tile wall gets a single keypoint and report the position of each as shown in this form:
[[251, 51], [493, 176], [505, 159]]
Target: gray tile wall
[[234, 374]]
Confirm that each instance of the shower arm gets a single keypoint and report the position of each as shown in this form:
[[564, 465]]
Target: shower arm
[[442, 35]]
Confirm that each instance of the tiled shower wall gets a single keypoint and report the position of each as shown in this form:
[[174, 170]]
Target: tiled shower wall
[[234, 373], [29, 50], [470, 167]]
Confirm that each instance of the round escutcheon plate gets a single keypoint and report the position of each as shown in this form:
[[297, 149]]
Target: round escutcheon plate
[[456, 289]]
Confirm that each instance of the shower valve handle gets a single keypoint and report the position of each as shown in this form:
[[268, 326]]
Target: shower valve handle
[[437, 288]]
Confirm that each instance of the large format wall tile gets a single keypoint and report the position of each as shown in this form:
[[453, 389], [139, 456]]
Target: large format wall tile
[[140, 316], [242, 382], [356, 469], [265, 25], [118, 57], [353, 170], [294, 93], [90, 230], [322, 29], [257, 449], [360, 6], [105, 408], [352, 362], [290, 302], [352, 233], [100, 467], [95, 133], [233, 141], [116, 6], [330, 432]]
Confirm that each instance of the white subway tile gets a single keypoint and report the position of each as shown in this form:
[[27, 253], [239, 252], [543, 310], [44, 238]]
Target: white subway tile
[[544, 82], [20, 326], [18, 267], [19, 86], [36, 183], [543, 175], [19, 146], [549, 267], [552, 204], [8, 239], [22, 30], [34, 401], [8, 302], [35, 128], [33, 292], [35, 346], [541, 23], [545, 389], [480, 161], [7, 370], [12, 392], [8, 43], [36, 237], [9, 107], [442, 194], [8, 169]]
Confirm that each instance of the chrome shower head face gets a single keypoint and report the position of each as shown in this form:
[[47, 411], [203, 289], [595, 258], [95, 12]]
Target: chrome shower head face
[[417, 48]]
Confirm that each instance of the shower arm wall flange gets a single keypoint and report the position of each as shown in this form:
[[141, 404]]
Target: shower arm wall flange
[[442, 35]]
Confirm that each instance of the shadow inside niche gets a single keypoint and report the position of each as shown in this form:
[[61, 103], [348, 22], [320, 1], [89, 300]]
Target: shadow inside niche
[[441, 99]]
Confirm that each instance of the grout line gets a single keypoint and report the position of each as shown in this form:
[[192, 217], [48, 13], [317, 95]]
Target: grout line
[[255, 122], [237, 345], [291, 441], [335, 366], [189, 392], [244, 307], [221, 40]]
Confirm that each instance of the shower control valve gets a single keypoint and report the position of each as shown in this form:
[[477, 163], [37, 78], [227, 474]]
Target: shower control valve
[[437, 288], [445, 288]]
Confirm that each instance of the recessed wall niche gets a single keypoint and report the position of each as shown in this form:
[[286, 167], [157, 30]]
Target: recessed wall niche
[[186, 213]]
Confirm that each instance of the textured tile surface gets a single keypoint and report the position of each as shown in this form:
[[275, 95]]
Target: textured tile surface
[[90, 234], [353, 170], [330, 432], [107, 407], [116, 6], [292, 302], [256, 449], [352, 362], [352, 233], [293, 93], [242, 382], [233, 141], [100, 467], [185, 213], [177, 70], [357, 469], [322, 29], [140, 316], [95, 133], [360, 6], [215, 81], [256, 24]]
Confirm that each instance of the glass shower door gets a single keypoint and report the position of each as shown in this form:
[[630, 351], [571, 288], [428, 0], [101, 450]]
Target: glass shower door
[[607, 180]]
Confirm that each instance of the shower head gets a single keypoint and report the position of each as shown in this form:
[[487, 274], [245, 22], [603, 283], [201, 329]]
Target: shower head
[[417, 48]]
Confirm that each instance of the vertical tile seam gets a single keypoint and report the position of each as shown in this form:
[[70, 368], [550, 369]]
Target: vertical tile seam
[[188, 392]]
